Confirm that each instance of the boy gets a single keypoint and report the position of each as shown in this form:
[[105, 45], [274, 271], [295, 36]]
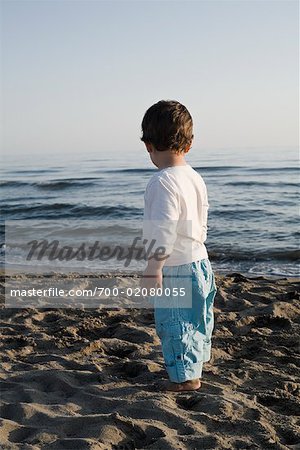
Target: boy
[[175, 218]]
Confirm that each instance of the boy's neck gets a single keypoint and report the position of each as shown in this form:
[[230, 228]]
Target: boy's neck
[[170, 159]]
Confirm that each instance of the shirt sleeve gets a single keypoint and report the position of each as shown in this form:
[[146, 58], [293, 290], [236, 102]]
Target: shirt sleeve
[[161, 214], [205, 207]]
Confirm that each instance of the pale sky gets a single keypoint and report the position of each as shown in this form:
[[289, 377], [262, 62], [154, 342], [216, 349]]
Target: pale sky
[[77, 76]]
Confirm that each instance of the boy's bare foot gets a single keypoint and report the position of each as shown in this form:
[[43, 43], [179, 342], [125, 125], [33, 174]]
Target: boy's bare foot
[[190, 385]]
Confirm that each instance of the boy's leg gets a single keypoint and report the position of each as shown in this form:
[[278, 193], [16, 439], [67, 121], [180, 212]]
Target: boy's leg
[[182, 348], [185, 332], [182, 344]]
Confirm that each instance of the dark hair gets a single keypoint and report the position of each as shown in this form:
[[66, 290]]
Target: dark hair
[[168, 125]]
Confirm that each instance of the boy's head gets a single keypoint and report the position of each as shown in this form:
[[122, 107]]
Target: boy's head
[[167, 125]]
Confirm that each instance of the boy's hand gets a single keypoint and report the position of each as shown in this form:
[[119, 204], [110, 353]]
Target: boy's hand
[[152, 278]]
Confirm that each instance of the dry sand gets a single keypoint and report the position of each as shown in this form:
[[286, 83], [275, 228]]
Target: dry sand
[[82, 379]]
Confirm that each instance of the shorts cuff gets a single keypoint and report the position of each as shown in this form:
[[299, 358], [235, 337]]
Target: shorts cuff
[[180, 373]]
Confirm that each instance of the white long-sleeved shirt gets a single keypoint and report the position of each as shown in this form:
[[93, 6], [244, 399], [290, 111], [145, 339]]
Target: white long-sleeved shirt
[[175, 214]]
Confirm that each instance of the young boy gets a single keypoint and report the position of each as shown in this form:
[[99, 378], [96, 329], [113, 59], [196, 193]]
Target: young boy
[[175, 218]]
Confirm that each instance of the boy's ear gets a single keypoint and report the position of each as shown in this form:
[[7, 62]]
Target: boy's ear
[[188, 148], [149, 147]]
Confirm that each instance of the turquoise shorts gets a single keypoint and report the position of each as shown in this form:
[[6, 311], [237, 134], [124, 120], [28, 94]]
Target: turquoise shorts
[[184, 318]]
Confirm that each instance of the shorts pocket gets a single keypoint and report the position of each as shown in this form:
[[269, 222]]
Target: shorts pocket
[[197, 341], [173, 351], [171, 342]]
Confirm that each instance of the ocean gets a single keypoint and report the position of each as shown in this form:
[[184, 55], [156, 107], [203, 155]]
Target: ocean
[[253, 202]]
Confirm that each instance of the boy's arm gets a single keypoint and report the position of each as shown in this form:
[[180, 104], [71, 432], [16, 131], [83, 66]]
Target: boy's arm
[[152, 276]]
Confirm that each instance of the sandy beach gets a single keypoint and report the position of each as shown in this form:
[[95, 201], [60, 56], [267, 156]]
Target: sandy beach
[[82, 379]]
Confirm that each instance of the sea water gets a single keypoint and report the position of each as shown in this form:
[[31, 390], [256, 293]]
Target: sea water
[[253, 202]]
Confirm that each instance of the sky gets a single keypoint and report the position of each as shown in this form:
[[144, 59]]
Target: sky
[[78, 76]]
